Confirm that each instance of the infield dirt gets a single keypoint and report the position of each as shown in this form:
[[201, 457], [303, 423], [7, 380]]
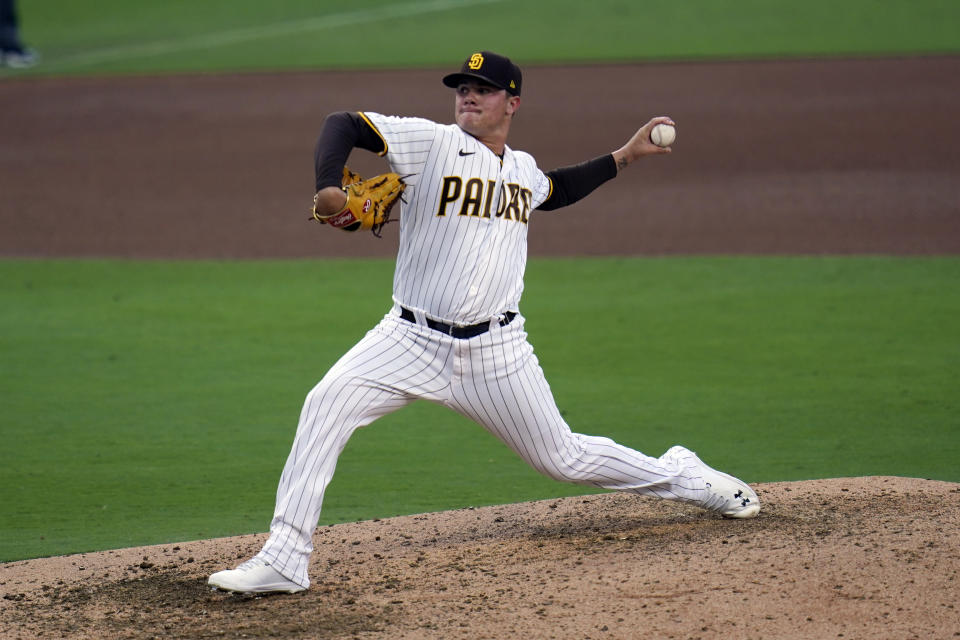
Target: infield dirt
[[801, 157], [869, 558]]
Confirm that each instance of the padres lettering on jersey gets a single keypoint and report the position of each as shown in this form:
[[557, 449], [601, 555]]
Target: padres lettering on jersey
[[514, 199], [467, 210]]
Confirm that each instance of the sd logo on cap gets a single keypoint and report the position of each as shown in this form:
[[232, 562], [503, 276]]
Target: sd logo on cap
[[491, 68]]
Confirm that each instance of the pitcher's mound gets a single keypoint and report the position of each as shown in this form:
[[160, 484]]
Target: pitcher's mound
[[860, 558]]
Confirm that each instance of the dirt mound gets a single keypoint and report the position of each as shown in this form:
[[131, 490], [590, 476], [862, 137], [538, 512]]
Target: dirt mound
[[873, 557]]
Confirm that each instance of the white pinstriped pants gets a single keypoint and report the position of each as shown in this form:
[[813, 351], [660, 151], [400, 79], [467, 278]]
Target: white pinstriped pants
[[493, 379]]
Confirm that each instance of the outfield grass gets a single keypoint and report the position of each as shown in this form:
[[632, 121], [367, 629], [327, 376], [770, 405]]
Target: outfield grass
[[148, 402], [154, 36]]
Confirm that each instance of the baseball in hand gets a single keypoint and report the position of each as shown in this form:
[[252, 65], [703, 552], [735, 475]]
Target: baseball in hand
[[663, 135]]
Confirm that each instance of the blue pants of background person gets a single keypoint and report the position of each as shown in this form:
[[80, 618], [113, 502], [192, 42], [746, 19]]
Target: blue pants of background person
[[12, 52], [9, 28]]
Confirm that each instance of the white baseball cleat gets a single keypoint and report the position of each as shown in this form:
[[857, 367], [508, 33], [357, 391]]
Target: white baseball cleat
[[253, 576], [726, 495]]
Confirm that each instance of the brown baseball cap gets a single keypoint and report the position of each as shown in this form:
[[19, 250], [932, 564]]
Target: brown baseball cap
[[490, 68]]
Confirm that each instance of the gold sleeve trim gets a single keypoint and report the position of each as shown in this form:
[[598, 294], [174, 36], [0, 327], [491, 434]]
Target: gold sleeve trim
[[376, 131]]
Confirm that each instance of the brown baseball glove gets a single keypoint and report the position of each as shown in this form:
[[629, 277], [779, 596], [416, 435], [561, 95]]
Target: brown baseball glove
[[368, 202]]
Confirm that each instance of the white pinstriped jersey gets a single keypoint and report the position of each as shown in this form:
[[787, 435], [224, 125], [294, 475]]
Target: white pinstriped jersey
[[463, 225]]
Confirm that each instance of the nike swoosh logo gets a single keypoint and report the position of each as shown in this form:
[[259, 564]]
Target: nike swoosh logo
[[466, 153]]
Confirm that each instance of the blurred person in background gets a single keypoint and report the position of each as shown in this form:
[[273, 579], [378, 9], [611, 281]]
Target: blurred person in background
[[12, 52]]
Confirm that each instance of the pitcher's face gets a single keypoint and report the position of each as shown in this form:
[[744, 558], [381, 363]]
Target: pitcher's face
[[482, 109]]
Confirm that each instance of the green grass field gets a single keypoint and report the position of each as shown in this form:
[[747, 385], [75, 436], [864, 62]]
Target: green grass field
[[241, 35], [146, 402]]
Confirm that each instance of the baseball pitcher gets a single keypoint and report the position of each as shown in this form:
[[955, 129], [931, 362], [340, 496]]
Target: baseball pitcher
[[455, 333]]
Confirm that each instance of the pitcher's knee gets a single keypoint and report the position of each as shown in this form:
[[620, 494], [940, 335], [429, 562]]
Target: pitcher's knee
[[563, 467]]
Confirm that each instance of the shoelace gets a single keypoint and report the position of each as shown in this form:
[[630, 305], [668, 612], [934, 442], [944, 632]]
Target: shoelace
[[252, 563], [715, 501]]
